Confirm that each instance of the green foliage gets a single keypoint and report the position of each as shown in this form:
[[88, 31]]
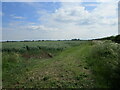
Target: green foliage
[[103, 60], [61, 64], [117, 39], [112, 38]]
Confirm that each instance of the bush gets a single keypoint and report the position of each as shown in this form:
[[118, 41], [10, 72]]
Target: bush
[[117, 39], [104, 62]]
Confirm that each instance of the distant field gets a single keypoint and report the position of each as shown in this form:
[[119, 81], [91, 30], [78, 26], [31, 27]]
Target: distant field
[[61, 64]]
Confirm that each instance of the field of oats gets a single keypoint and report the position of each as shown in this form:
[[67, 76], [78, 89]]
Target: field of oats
[[61, 64]]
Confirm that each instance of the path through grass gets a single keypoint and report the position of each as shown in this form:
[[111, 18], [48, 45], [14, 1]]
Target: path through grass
[[80, 66]]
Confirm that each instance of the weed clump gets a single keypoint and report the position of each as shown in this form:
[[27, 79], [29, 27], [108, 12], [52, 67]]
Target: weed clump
[[27, 48]]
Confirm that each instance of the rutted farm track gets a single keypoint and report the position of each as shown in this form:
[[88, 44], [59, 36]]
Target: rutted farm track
[[69, 69]]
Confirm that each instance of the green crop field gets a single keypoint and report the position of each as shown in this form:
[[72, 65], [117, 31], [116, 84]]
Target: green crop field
[[61, 64]]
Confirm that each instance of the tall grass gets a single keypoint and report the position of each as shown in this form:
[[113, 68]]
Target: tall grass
[[104, 62]]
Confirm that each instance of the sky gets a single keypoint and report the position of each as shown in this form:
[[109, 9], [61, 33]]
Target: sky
[[58, 20]]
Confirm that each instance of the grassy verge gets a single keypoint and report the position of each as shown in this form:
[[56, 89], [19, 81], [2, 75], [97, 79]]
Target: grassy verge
[[103, 59]]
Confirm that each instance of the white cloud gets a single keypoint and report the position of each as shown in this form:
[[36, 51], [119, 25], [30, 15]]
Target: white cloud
[[17, 17], [60, 0], [75, 21], [41, 27], [72, 20], [91, 5], [71, 14], [79, 14], [107, 0]]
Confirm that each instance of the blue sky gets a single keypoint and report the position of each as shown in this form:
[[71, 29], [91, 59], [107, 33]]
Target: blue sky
[[26, 10], [58, 20]]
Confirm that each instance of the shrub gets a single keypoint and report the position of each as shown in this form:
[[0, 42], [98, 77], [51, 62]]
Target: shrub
[[104, 62]]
